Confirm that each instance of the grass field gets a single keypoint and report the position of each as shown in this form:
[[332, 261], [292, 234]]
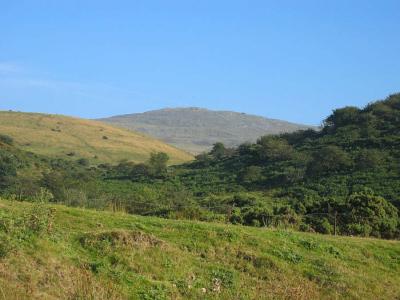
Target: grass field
[[86, 254], [67, 137]]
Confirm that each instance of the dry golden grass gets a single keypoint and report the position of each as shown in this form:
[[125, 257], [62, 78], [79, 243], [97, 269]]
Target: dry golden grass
[[58, 136]]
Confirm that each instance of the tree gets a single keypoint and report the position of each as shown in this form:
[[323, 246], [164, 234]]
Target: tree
[[55, 182], [158, 163], [274, 148], [218, 151], [329, 159], [371, 215]]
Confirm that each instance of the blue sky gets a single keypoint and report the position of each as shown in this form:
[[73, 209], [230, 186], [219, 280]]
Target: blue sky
[[292, 60]]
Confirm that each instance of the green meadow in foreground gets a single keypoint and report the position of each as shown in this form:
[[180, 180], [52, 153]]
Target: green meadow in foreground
[[51, 252]]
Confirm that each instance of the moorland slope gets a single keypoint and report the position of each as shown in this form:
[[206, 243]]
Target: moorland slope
[[67, 137]]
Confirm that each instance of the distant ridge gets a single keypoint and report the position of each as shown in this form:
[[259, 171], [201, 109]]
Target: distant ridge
[[196, 129]]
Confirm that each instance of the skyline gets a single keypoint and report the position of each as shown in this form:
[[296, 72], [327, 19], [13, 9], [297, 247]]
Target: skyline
[[292, 61], [182, 107]]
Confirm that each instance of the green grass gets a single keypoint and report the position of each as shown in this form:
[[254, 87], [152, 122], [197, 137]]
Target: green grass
[[67, 137], [89, 254]]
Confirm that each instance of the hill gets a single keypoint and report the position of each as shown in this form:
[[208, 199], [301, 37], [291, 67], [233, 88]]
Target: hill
[[197, 129], [67, 137], [344, 177], [55, 252], [348, 169]]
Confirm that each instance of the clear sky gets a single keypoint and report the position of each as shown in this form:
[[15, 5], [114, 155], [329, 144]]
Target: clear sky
[[292, 60]]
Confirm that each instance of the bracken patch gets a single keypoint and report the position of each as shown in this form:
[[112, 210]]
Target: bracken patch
[[120, 239]]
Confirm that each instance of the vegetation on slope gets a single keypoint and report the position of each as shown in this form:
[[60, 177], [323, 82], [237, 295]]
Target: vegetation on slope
[[344, 179], [49, 252], [66, 137], [197, 129]]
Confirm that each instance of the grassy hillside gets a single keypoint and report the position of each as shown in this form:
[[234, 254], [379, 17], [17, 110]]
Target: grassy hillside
[[196, 129], [59, 252], [61, 136]]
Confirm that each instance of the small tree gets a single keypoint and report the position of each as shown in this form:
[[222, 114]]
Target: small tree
[[218, 151], [158, 163]]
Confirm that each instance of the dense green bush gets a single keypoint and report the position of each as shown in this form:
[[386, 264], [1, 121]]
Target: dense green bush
[[6, 139], [371, 215]]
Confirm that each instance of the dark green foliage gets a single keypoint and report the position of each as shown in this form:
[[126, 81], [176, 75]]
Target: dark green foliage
[[6, 139], [203, 159], [371, 215], [369, 159], [321, 225], [8, 164], [251, 175], [140, 172], [218, 151], [328, 160], [342, 117], [83, 162], [158, 163], [125, 168], [8, 168], [274, 148]]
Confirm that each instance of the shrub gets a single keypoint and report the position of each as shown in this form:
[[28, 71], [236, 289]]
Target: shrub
[[6, 245], [6, 139], [322, 225], [371, 215], [83, 162], [251, 174]]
